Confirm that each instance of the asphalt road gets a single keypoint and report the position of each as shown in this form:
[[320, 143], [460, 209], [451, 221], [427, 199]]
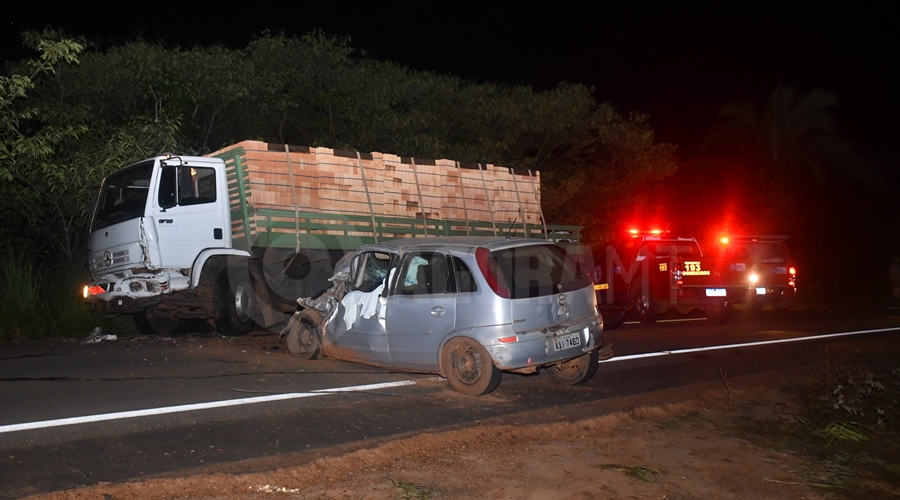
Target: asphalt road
[[45, 381]]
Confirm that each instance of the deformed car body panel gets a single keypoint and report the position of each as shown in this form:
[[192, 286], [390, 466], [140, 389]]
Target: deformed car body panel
[[397, 304]]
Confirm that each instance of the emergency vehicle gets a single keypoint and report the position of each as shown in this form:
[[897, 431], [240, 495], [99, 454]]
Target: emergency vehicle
[[772, 270], [647, 273]]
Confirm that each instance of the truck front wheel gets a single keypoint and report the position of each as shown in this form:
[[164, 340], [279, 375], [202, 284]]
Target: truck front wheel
[[234, 303], [152, 325]]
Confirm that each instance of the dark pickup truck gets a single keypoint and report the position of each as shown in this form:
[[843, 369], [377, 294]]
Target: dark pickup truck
[[649, 274]]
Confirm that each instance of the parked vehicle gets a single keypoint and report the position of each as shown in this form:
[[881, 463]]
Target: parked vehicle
[[234, 239], [466, 308], [649, 273], [773, 270]]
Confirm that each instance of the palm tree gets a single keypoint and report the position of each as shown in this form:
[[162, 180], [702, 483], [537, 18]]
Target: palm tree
[[791, 140]]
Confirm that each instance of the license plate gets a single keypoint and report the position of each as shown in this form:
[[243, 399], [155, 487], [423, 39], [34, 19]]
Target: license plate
[[715, 292], [761, 290], [567, 341]]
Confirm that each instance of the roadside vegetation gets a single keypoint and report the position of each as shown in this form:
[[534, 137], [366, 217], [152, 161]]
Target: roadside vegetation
[[846, 428]]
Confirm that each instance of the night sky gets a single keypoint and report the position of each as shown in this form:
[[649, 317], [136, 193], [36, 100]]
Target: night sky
[[677, 63]]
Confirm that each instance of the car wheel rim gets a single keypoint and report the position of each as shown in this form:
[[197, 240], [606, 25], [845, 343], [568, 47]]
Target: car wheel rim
[[467, 364]]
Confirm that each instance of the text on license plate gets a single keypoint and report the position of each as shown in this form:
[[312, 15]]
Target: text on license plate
[[567, 341]]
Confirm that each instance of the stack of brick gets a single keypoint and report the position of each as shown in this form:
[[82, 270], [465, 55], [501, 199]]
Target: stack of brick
[[327, 181]]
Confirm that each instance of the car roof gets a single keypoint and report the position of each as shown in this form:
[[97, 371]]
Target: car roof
[[458, 243]]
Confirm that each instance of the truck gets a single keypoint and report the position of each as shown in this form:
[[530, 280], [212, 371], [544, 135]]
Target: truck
[[647, 273], [234, 238]]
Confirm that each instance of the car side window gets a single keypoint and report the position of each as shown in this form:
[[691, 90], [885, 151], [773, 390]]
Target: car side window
[[424, 273], [463, 280]]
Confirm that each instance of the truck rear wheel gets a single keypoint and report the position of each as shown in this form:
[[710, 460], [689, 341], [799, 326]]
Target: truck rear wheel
[[234, 302]]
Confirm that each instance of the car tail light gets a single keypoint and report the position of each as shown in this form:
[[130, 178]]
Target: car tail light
[[792, 279], [487, 264]]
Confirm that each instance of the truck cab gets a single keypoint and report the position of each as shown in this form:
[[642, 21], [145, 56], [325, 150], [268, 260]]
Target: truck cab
[[155, 226]]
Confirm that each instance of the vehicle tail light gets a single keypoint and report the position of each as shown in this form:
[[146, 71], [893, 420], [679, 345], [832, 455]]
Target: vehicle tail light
[[793, 271], [724, 240], [487, 264], [754, 278], [792, 279], [678, 274]]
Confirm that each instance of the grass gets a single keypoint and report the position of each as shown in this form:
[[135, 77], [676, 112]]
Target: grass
[[412, 491], [41, 301], [645, 474], [845, 429]]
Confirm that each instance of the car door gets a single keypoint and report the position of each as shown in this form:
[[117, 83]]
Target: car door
[[357, 332], [421, 310]]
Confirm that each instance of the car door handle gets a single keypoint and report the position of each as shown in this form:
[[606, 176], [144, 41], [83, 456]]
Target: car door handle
[[437, 311]]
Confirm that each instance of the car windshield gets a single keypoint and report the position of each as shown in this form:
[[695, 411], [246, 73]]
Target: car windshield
[[123, 195], [536, 270]]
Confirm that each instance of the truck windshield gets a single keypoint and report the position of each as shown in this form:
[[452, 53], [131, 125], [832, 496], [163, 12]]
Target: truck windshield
[[123, 195]]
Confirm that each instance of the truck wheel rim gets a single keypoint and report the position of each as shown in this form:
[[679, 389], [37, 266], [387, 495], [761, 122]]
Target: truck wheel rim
[[242, 301]]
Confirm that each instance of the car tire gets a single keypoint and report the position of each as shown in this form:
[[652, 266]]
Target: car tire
[[719, 315], [644, 306], [153, 326], [613, 319], [468, 367], [303, 340], [576, 371], [234, 302]]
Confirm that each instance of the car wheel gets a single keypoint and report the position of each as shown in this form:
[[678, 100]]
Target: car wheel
[[719, 314], [234, 302], [303, 340], [645, 306], [613, 319], [783, 303], [576, 371], [468, 367], [151, 325]]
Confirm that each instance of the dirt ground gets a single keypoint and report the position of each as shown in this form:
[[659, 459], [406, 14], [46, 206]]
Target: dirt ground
[[706, 441]]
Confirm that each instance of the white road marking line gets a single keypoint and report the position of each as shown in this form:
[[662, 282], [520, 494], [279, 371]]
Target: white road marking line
[[666, 321], [197, 406], [746, 344]]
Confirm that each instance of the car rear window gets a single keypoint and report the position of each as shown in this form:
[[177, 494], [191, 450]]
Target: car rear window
[[770, 253], [537, 270]]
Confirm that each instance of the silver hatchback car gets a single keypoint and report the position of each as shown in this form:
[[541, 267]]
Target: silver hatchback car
[[466, 308]]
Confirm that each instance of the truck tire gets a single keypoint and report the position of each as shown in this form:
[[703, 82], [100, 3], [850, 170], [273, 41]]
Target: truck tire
[[153, 326], [233, 301], [644, 306], [576, 371]]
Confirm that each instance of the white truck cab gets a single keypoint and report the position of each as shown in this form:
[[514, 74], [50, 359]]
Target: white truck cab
[[155, 226]]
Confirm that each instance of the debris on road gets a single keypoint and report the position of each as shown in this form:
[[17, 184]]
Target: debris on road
[[97, 336]]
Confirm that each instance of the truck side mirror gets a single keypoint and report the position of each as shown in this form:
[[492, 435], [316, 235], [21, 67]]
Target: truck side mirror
[[168, 187]]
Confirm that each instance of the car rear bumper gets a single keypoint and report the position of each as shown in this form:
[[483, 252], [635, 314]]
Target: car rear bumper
[[540, 348]]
